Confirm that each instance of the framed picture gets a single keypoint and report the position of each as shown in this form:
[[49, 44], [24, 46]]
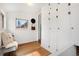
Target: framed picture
[[21, 23]]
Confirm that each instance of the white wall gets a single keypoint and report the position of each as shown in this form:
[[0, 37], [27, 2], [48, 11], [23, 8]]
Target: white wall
[[22, 35], [22, 10]]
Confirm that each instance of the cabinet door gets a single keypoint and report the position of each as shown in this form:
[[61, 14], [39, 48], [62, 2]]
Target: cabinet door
[[54, 24], [63, 29], [63, 37], [54, 14], [45, 28], [75, 23], [64, 17]]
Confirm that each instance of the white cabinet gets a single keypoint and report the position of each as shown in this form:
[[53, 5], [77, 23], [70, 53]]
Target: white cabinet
[[75, 23], [49, 28], [61, 31], [45, 28], [63, 39]]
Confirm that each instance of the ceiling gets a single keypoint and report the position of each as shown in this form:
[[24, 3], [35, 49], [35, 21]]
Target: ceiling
[[12, 7]]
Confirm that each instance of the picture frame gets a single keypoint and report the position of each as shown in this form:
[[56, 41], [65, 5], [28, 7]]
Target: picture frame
[[21, 23]]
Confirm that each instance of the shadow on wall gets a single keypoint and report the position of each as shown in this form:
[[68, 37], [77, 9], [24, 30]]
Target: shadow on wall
[[69, 52]]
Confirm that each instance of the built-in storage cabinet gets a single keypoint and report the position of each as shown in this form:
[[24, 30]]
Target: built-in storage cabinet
[[75, 23], [59, 21], [45, 28]]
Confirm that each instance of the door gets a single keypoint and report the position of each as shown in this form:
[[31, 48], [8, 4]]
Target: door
[[45, 28], [1, 25]]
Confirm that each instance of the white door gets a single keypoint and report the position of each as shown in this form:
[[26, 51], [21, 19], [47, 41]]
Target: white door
[[75, 22], [45, 42], [53, 24]]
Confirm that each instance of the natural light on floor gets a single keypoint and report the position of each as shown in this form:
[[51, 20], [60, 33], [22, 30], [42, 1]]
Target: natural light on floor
[[35, 53]]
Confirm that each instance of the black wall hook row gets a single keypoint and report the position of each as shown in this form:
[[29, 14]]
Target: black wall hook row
[[69, 12], [56, 16], [72, 28], [57, 9], [69, 4], [58, 28]]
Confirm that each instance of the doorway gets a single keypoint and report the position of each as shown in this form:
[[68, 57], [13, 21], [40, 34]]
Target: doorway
[[39, 28], [1, 21]]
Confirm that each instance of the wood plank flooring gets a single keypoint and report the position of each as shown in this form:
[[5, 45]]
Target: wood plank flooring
[[29, 49]]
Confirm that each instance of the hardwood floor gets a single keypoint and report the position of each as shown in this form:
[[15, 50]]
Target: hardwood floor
[[29, 49]]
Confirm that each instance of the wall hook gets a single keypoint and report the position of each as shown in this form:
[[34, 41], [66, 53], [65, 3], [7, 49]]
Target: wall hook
[[69, 4], [57, 9], [69, 12]]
